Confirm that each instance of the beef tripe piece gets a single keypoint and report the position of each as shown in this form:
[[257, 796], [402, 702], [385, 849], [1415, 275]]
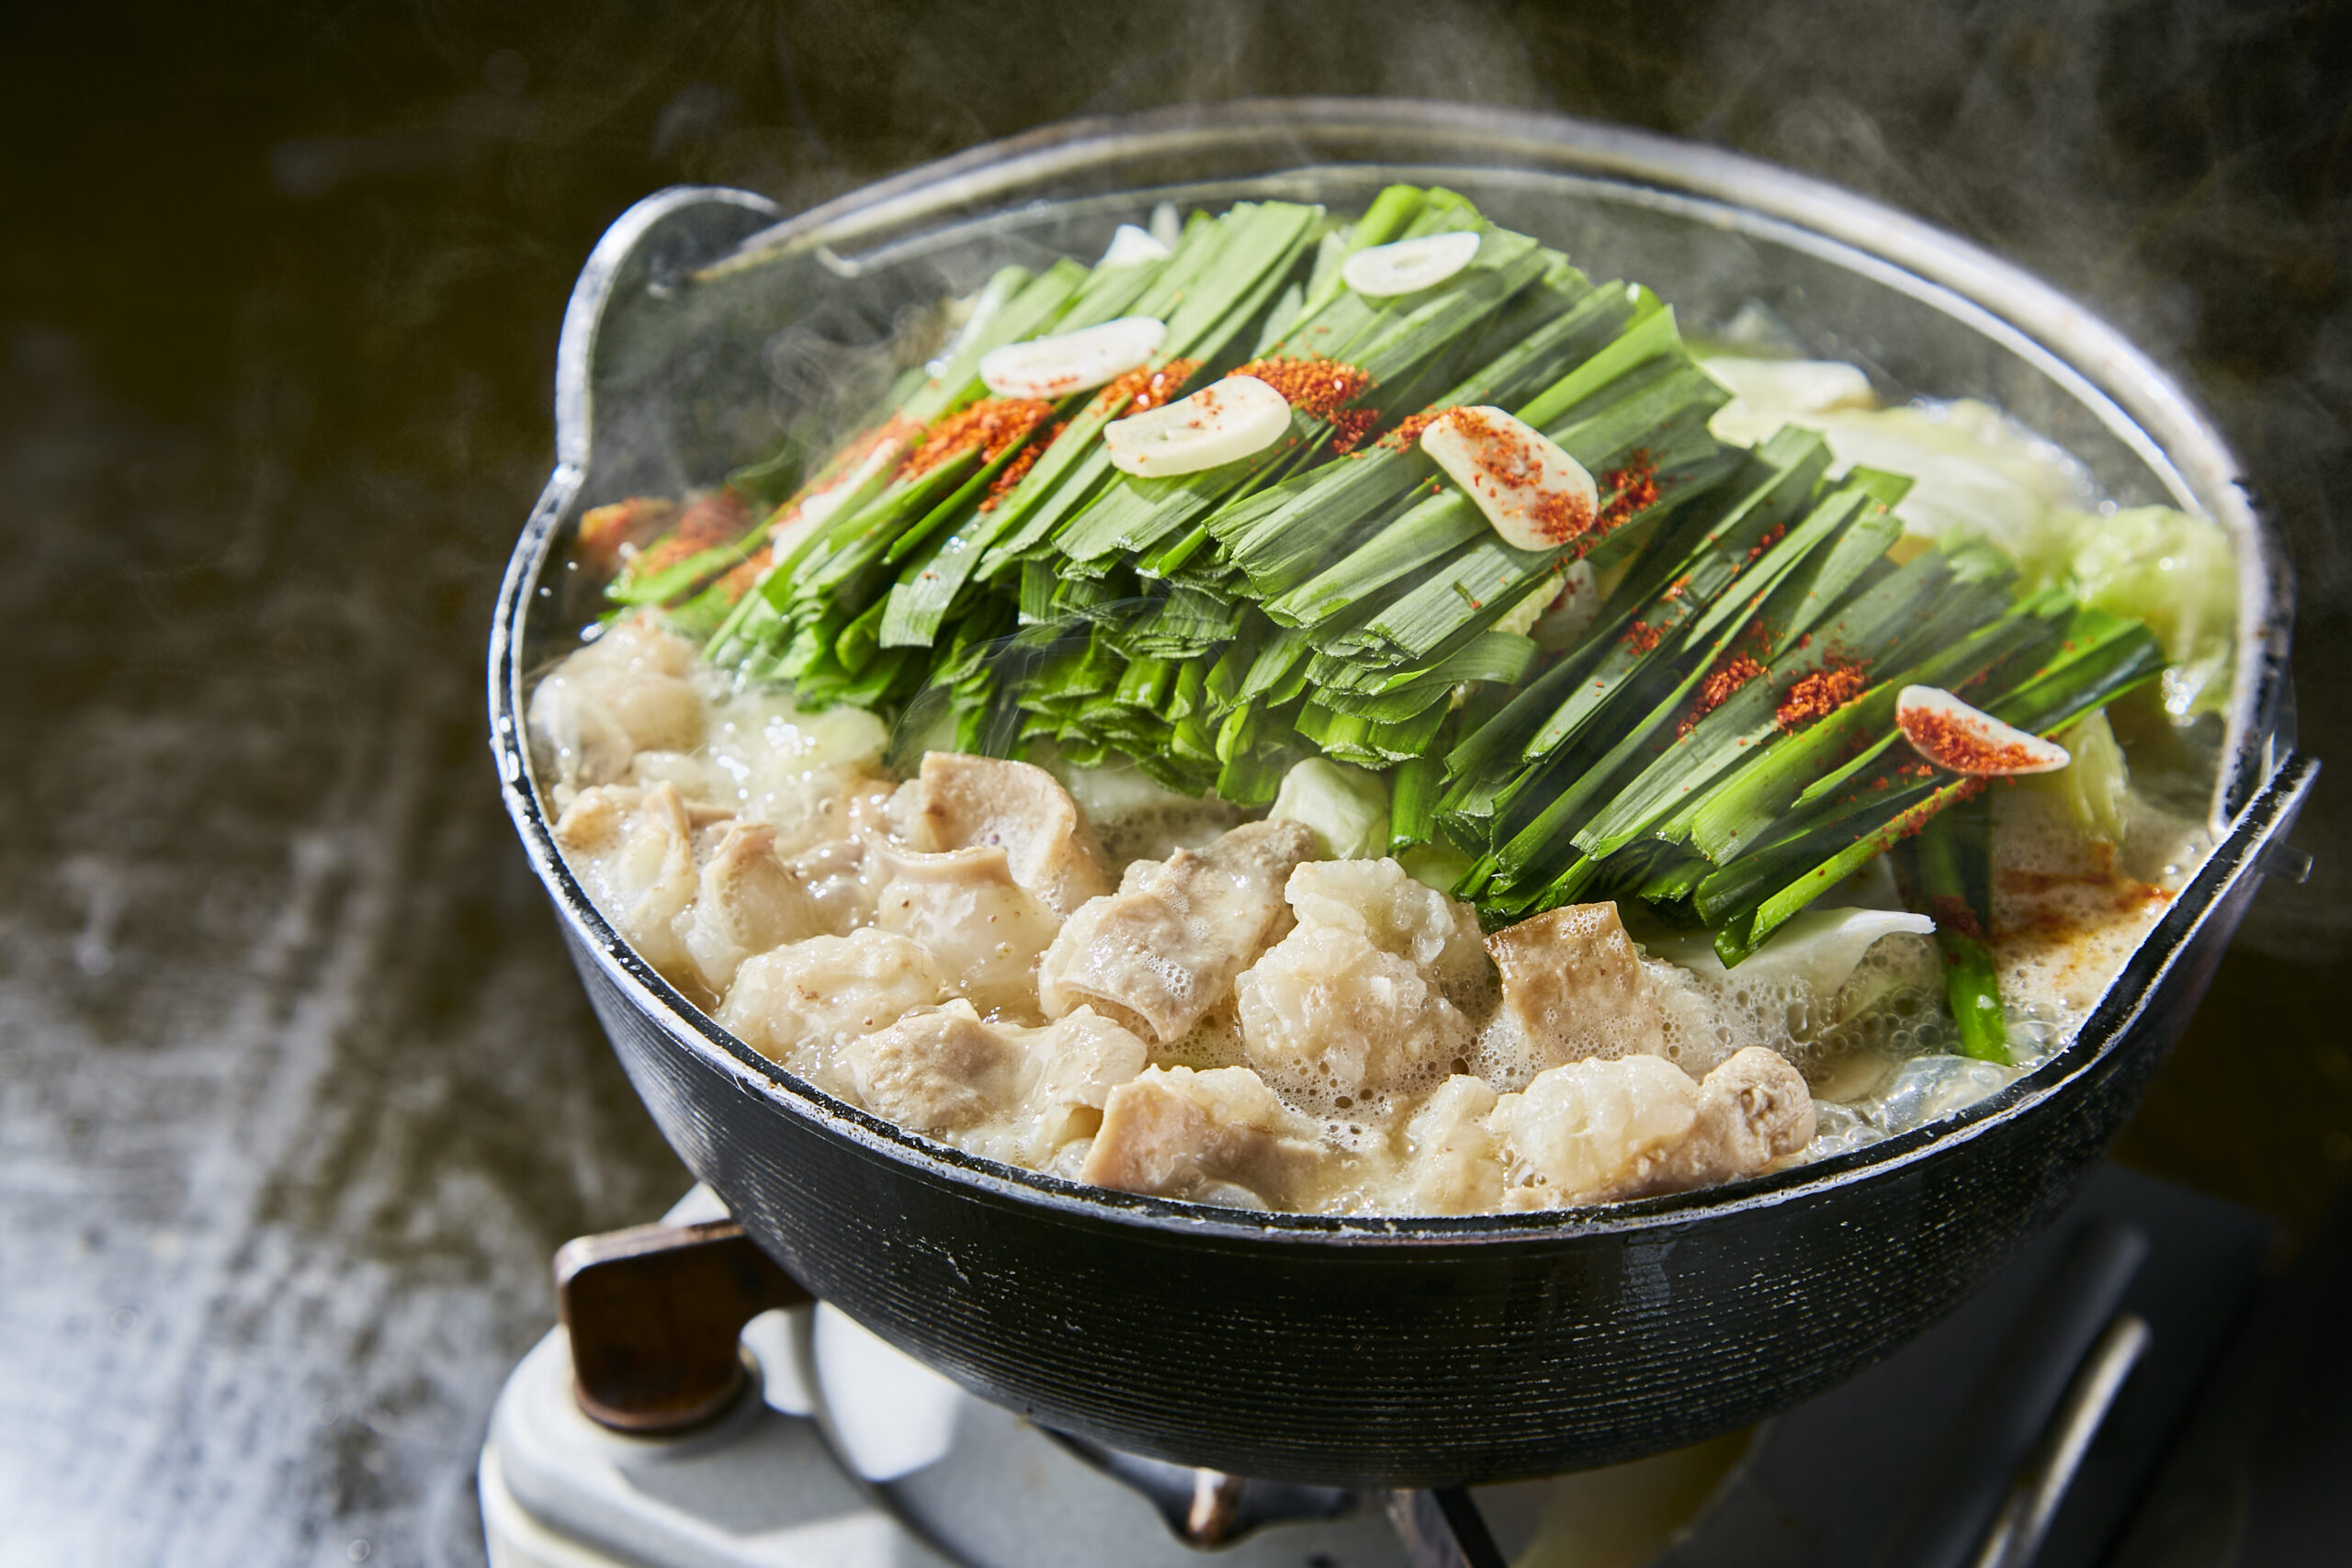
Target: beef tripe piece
[[1161, 951]]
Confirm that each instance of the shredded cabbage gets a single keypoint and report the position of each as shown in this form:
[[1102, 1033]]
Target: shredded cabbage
[[2175, 572], [1822, 947], [1438, 865], [1346, 806], [1977, 472], [2097, 785]]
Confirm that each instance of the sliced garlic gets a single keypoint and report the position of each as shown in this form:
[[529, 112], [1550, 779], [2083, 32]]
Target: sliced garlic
[[1217, 425], [1072, 362], [1408, 266], [1953, 736], [1537, 497], [1131, 247]]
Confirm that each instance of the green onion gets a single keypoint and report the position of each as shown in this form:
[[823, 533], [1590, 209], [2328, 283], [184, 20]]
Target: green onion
[[1946, 872]]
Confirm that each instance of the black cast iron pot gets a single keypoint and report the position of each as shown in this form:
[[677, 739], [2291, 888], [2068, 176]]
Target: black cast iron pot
[[1370, 1352]]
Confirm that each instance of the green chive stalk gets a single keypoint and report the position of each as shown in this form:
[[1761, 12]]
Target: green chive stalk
[[1718, 739]]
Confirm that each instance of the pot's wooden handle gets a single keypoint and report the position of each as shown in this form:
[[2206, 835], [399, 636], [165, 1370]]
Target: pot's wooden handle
[[654, 1314]]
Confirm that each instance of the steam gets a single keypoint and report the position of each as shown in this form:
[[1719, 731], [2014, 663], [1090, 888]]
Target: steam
[[2170, 165]]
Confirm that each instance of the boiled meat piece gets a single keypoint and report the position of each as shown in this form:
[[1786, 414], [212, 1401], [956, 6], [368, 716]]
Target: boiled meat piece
[[748, 902], [1452, 1164], [1353, 1002], [633, 851], [1164, 949], [1595, 1130], [1069, 1069], [623, 694], [1753, 1110], [936, 1071], [1081, 1058], [1379, 899], [984, 928], [1335, 1019], [799, 1005], [960, 802], [993, 1087], [1573, 986], [836, 875], [1218, 1136]]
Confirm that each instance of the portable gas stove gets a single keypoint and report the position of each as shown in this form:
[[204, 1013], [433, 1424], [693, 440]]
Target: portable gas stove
[[2022, 1430]]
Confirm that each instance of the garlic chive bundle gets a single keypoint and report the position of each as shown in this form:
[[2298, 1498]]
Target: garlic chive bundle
[[1072, 362], [1537, 497], [1103, 570], [1215, 425], [1409, 266]]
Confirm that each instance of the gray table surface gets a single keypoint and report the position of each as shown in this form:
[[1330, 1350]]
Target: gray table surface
[[297, 1092]]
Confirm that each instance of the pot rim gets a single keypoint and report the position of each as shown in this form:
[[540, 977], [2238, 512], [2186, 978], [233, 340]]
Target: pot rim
[[2264, 782]]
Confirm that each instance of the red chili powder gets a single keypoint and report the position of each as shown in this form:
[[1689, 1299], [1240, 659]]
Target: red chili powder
[[1819, 695], [1950, 741], [745, 574], [1323, 387], [991, 426], [719, 518], [1631, 487], [1559, 516], [609, 534], [1350, 426], [1641, 636], [1318, 385], [1013, 473], [1759, 636], [1144, 388], [1772, 535], [1405, 435], [1721, 683]]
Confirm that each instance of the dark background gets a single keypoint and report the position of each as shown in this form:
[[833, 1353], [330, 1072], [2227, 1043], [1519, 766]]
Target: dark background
[[297, 1091]]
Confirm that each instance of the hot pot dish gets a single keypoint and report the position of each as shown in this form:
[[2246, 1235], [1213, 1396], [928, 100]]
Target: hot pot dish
[[1349, 709], [1282, 934]]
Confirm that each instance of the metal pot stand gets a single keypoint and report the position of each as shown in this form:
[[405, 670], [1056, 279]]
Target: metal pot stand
[[2020, 1431]]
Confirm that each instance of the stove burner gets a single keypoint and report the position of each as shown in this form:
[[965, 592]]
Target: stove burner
[[1972, 1446], [1207, 1507]]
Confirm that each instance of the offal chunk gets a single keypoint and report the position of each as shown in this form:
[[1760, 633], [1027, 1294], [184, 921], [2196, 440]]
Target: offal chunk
[[1453, 1162], [1573, 986], [1220, 1136], [960, 802], [623, 694], [1159, 952], [633, 851], [747, 901], [984, 928], [800, 1005], [938, 1071], [1352, 1003], [1595, 1131]]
